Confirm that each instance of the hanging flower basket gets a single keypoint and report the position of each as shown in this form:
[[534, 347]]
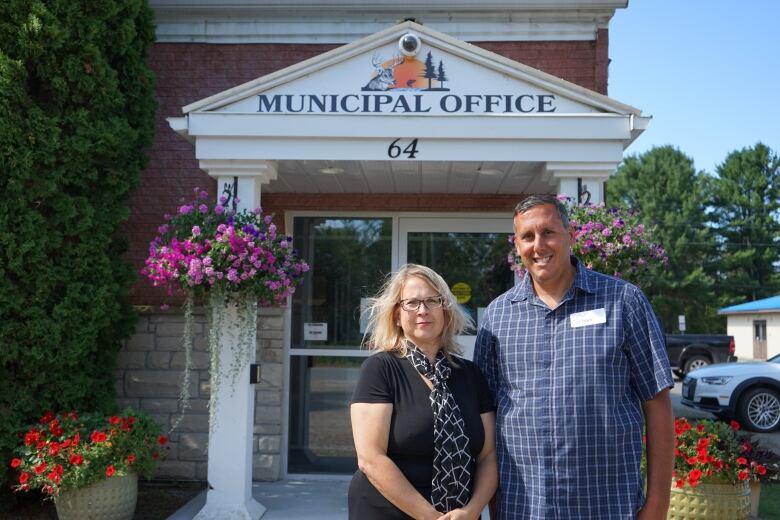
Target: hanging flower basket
[[220, 257], [612, 241]]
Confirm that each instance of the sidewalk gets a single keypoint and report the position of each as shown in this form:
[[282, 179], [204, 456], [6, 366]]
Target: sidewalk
[[289, 500]]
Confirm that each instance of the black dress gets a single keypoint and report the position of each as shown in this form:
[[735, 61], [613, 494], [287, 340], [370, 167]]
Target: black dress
[[387, 378]]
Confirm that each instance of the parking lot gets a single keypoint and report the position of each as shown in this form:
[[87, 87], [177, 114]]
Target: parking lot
[[767, 440]]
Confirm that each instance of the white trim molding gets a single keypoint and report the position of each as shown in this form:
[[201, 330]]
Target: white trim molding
[[278, 21]]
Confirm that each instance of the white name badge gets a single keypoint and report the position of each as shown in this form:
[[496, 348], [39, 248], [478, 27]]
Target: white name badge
[[581, 319]]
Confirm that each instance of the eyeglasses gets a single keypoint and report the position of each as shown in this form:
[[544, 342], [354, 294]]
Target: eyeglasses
[[412, 304]]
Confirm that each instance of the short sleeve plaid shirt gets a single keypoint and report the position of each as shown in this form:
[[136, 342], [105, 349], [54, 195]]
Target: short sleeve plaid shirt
[[569, 417]]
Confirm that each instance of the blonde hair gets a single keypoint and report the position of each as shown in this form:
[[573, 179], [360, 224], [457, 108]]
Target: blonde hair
[[384, 333]]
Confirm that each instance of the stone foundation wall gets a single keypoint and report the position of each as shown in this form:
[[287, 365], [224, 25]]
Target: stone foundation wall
[[149, 372]]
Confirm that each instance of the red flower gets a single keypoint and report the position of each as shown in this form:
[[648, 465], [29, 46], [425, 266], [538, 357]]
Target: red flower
[[742, 461], [98, 436], [110, 471], [680, 483], [40, 468], [76, 439], [58, 469], [743, 475], [76, 460], [48, 490], [130, 458], [15, 463], [24, 477], [65, 443], [113, 420], [691, 460], [700, 427], [54, 477], [47, 417], [54, 448], [746, 446], [161, 440], [55, 429], [761, 470], [734, 425], [703, 443], [31, 437], [155, 455]]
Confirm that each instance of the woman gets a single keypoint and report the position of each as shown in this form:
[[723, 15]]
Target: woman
[[423, 421]]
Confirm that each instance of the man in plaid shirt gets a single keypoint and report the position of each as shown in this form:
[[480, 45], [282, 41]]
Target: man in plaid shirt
[[574, 359]]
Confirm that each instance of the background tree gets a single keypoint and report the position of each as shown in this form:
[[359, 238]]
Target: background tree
[[664, 186], [76, 113], [746, 198]]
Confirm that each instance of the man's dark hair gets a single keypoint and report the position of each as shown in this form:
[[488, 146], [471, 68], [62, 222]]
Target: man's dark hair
[[538, 200]]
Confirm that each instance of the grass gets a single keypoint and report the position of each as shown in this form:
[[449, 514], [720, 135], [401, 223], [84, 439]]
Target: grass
[[769, 505]]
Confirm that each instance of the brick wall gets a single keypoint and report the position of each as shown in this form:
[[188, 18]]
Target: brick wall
[[278, 203], [148, 376]]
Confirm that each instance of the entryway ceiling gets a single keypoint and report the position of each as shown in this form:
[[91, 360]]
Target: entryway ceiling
[[410, 177]]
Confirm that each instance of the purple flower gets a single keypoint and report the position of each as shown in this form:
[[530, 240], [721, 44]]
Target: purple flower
[[185, 210], [618, 223], [627, 239], [223, 200], [257, 211], [606, 232], [163, 229], [203, 208], [204, 195], [195, 231], [219, 210]]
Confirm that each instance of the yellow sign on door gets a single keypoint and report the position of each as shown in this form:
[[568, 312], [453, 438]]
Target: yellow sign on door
[[462, 292]]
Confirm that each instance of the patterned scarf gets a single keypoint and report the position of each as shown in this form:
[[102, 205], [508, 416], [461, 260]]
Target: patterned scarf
[[451, 460]]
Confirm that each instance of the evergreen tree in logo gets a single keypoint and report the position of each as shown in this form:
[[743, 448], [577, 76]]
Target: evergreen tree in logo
[[441, 76], [430, 70]]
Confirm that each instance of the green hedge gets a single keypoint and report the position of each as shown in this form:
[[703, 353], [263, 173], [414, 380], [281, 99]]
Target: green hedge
[[76, 114]]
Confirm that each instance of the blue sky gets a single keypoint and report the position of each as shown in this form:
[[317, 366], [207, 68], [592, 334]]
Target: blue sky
[[708, 71]]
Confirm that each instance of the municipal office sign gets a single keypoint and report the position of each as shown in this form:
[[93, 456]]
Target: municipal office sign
[[386, 80], [406, 85]]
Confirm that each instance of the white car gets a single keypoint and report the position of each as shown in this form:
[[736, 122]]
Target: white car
[[748, 391]]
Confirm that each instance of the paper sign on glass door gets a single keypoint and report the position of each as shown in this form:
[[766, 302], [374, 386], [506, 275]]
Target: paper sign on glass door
[[315, 331]]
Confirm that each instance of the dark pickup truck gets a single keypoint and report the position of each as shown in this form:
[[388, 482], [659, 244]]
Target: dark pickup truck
[[691, 351]]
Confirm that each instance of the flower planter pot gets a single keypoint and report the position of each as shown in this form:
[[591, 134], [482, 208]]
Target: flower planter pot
[[755, 497], [112, 498], [710, 501]]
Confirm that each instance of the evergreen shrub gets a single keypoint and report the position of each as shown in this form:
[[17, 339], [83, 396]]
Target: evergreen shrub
[[76, 114]]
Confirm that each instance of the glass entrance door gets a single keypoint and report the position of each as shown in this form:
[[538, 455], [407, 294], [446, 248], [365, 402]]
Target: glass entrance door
[[349, 259], [469, 253]]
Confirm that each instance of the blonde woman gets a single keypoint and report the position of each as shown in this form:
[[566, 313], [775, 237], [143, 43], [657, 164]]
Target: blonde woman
[[423, 419]]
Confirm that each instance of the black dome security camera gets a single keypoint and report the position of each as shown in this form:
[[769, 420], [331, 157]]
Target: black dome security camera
[[409, 44]]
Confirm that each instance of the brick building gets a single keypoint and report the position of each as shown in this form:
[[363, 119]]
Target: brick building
[[426, 167]]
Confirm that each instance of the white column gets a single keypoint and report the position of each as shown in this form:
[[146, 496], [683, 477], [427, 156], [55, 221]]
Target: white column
[[230, 439], [578, 180], [229, 495]]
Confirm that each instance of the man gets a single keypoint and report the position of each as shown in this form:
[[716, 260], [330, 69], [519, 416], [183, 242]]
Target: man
[[573, 358]]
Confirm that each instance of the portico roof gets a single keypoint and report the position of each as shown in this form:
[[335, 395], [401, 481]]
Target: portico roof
[[451, 118]]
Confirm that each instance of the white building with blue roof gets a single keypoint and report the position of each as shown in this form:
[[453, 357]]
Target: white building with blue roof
[[756, 327]]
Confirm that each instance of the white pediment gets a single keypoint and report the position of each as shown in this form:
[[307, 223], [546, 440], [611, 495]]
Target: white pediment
[[445, 77]]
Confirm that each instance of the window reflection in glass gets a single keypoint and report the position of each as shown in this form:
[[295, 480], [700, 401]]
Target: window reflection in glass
[[473, 264], [320, 434], [349, 258]]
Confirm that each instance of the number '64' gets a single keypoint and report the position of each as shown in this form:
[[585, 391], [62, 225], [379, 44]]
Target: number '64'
[[394, 150]]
